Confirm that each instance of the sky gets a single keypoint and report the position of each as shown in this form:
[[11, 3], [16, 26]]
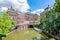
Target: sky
[[40, 4], [26, 5]]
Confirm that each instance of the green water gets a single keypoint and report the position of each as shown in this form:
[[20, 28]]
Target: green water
[[26, 34]]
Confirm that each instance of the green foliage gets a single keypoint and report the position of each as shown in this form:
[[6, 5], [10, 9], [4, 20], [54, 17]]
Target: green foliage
[[37, 22], [5, 23], [52, 18], [57, 6], [52, 21]]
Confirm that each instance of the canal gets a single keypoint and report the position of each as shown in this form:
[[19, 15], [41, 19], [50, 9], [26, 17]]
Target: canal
[[26, 34]]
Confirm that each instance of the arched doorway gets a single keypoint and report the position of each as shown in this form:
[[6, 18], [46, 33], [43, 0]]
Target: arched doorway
[[30, 26]]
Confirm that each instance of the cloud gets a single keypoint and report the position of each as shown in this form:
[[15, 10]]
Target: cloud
[[20, 5], [4, 9], [38, 11], [1, 0]]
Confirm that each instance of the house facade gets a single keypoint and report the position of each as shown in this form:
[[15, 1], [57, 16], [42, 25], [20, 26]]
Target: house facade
[[18, 17], [42, 14], [31, 18], [22, 20]]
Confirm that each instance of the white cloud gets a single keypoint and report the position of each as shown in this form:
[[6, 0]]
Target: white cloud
[[38, 11], [20, 5], [1, 0], [3, 9]]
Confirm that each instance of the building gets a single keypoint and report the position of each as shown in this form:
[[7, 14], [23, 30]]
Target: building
[[22, 20], [18, 17], [31, 18], [42, 14]]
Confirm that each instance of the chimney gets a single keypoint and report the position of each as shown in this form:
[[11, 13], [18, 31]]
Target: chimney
[[47, 8], [11, 6]]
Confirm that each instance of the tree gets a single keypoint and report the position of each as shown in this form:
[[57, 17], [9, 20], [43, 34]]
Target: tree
[[5, 23], [57, 6], [57, 11], [52, 20]]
